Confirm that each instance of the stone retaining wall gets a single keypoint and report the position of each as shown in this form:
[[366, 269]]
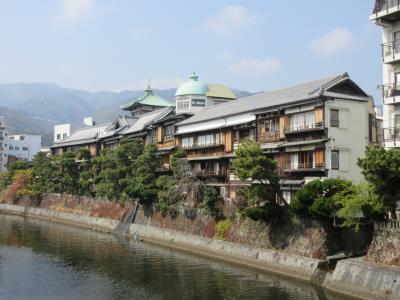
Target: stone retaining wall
[[385, 246], [357, 278]]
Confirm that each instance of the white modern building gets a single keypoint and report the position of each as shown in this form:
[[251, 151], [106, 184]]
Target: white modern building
[[3, 145], [386, 14], [194, 95], [24, 146], [61, 131]]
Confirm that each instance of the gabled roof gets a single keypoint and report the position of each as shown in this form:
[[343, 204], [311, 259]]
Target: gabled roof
[[84, 135], [148, 98], [147, 119], [324, 87], [120, 124]]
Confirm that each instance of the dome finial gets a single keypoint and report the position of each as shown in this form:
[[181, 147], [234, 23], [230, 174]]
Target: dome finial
[[194, 76], [149, 89]]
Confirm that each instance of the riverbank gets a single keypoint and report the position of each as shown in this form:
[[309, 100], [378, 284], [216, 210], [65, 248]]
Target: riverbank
[[350, 277]]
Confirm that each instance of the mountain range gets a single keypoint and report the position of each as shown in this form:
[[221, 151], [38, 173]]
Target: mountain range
[[35, 108]]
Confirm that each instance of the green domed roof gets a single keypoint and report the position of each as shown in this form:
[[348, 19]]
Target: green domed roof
[[192, 87]]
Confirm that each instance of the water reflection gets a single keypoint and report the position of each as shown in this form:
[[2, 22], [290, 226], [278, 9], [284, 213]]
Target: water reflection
[[41, 260]]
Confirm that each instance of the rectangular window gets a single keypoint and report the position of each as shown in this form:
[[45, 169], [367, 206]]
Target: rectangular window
[[396, 41], [335, 160], [16, 148], [334, 118], [25, 148], [198, 102], [183, 105], [64, 135], [187, 142], [58, 137], [169, 130], [11, 148]]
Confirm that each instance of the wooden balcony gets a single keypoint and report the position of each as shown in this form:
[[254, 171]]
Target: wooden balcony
[[208, 173], [163, 169], [304, 167], [269, 137], [206, 154]]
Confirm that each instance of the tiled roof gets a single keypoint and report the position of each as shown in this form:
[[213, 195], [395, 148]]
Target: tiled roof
[[148, 98], [84, 135], [147, 119], [262, 100]]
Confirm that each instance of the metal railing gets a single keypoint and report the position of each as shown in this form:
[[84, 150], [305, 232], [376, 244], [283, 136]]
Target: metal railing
[[391, 134], [206, 173], [391, 225], [385, 5], [201, 145], [304, 126], [304, 166], [390, 91], [389, 50]]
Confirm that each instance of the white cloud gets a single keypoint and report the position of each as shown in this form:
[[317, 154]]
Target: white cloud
[[156, 83], [231, 18], [73, 10], [256, 66], [333, 42]]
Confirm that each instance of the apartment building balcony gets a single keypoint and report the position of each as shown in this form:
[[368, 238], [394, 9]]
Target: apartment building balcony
[[391, 52], [386, 11], [269, 137], [304, 167], [195, 146], [391, 93], [205, 155], [209, 173], [304, 127], [391, 137]]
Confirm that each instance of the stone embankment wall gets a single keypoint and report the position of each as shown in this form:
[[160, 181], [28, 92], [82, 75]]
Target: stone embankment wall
[[300, 237], [352, 277], [359, 279], [385, 246], [81, 205]]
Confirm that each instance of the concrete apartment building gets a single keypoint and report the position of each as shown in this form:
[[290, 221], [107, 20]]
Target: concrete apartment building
[[23, 146], [3, 145], [386, 14]]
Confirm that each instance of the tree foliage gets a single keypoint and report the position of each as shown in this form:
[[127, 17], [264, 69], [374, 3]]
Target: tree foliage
[[316, 199], [251, 164], [381, 168], [358, 202]]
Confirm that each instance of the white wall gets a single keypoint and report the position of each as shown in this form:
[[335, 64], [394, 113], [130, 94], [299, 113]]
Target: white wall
[[61, 132], [350, 138], [24, 146]]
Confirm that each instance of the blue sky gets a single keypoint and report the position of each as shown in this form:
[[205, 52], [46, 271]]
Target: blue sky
[[250, 45]]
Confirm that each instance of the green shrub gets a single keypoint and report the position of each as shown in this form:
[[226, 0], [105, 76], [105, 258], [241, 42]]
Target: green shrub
[[222, 227], [315, 199], [269, 212], [213, 201]]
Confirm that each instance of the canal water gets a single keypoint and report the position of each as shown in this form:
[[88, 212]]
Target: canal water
[[43, 260]]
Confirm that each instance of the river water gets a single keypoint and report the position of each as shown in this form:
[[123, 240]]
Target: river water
[[43, 260]]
